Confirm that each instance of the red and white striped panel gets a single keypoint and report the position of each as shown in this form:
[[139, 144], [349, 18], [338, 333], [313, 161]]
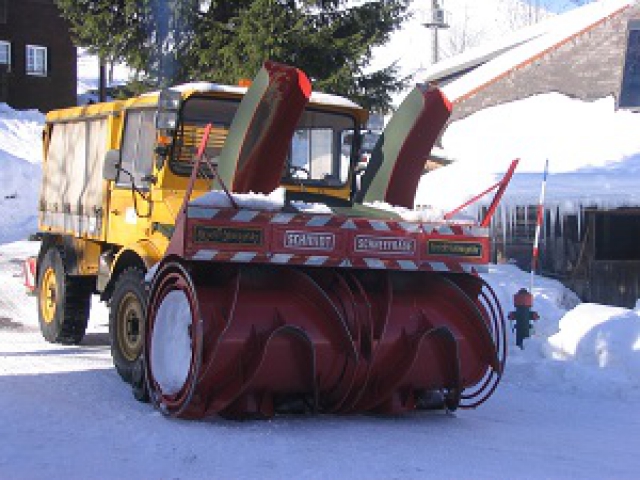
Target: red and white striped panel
[[332, 221], [333, 240], [327, 261], [257, 257]]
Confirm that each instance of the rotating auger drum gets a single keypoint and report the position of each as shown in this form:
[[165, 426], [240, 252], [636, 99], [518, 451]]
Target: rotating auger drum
[[251, 340]]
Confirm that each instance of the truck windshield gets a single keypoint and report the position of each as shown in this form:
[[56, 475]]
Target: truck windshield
[[197, 112], [315, 153]]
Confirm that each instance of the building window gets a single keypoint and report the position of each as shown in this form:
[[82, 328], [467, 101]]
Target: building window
[[630, 87], [5, 55], [36, 60]]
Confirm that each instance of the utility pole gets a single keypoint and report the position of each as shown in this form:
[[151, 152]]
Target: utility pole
[[437, 22], [102, 80]]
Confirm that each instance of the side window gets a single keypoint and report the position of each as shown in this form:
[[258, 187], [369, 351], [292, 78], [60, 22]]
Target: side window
[[312, 153], [137, 147]]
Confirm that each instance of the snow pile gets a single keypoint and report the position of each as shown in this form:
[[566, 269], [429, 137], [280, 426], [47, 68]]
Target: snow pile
[[571, 133], [255, 201], [21, 133], [258, 201], [600, 336], [312, 208], [593, 158], [423, 213], [20, 157]]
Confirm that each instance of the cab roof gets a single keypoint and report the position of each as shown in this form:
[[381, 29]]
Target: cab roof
[[324, 100]]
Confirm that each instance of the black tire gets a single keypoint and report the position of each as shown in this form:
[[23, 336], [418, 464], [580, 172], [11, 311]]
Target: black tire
[[126, 321], [64, 301]]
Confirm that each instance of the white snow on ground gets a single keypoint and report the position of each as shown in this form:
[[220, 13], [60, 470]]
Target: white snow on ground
[[67, 414]]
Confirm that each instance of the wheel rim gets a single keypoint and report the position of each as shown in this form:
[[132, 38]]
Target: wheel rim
[[129, 326], [48, 295]]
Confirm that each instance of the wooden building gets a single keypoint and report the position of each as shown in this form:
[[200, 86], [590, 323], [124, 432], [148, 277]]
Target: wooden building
[[588, 54], [38, 64]]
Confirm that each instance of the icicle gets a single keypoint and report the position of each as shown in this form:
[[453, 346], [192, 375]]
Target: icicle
[[562, 214], [503, 220], [552, 218], [513, 212], [579, 219]]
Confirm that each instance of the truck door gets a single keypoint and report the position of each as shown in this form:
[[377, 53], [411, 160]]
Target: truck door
[[128, 209]]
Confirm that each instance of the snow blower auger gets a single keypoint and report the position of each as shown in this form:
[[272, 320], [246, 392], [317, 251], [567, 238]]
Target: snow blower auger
[[256, 310]]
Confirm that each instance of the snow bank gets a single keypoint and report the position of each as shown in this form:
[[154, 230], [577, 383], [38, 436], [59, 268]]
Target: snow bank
[[575, 348], [571, 133], [593, 158], [601, 336], [21, 133], [20, 157]]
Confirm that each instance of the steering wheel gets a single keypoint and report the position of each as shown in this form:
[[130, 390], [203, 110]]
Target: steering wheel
[[293, 169]]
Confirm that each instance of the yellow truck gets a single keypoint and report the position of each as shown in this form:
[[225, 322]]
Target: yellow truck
[[114, 175]]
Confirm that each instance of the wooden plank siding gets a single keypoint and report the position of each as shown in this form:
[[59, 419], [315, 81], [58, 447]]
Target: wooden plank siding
[[600, 261]]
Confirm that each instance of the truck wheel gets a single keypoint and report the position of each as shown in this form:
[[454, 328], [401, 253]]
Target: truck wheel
[[126, 321], [64, 302]]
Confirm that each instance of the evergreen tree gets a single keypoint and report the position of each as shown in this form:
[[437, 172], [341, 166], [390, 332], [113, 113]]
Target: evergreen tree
[[109, 28], [172, 41]]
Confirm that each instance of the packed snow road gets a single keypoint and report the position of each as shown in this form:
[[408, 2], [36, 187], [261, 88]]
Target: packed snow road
[[65, 414]]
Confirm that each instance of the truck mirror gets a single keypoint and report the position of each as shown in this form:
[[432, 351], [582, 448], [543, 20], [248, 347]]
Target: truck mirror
[[111, 165], [169, 102], [167, 120]]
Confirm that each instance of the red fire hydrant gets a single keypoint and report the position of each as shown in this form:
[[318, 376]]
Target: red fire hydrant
[[523, 315]]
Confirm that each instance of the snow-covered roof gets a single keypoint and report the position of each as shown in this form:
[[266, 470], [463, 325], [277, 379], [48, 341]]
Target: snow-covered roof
[[485, 52], [524, 48], [318, 98], [593, 152]]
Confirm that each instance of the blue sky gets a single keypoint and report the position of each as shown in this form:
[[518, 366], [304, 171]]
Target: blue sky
[[557, 5]]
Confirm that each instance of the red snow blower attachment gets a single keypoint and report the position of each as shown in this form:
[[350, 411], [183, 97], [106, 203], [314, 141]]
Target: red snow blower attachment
[[255, 310]]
